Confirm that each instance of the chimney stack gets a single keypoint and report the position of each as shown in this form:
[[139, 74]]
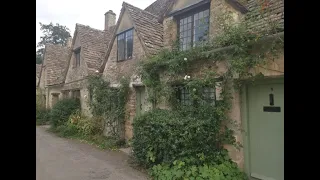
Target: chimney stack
[[110, 19]]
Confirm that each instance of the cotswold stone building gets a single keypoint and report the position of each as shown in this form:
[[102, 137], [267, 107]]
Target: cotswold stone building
[[88, 51], [53, 69], [140, 33], [64, 69], [116, 52]]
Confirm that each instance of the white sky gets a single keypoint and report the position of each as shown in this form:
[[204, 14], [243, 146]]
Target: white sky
[[86, 12]]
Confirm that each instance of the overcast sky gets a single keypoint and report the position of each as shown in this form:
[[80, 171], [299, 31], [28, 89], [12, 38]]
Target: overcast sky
[[86, 12]]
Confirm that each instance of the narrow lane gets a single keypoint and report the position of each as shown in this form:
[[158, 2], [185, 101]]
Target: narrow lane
[[65, 159]]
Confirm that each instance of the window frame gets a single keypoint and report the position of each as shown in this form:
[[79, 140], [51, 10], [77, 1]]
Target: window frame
[[125, 45], [74, 95], [189, 102], [77, 61], [191, 13]]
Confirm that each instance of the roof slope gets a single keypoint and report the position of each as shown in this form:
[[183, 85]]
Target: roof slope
[[94, 43], [264, 13], [148, 28], [56, 58], [159, 8]]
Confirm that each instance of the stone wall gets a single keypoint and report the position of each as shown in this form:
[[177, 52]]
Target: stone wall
[[50, 90], [76, 73], [273, 67], [115, 70]]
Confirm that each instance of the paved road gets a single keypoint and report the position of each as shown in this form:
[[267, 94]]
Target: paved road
[[64, 159]]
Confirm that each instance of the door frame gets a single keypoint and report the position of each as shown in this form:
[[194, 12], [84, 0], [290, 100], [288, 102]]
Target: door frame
[[245, 120], [137, 89]]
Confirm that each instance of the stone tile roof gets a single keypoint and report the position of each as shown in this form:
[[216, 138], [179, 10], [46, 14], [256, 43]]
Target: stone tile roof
[[148, 28], [94, 44], [56, 60], [160, 8], [38, 70], [264, 13]]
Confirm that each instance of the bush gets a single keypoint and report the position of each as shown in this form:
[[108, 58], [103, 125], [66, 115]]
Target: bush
[[163, 136], [85, 125], [61, 111], [42, 116], [67, 130], [179, 170]]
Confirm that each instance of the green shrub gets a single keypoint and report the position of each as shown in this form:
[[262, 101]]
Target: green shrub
[[42, 116], [61, 111], [163, 136], [67, 130], [180, 170], [87, 126]]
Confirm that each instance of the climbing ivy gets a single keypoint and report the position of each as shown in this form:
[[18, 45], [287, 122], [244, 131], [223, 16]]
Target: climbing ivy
[[239, 48], [109, 103], [238, 45]]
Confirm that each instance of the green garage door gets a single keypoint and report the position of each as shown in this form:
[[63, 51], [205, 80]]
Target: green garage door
[[266, 131]]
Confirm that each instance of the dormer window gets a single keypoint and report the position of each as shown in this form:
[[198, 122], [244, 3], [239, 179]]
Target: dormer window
[[125, 45], [77, 56], [193, 28]]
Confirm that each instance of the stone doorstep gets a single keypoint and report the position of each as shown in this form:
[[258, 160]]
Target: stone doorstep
[[127, 151]]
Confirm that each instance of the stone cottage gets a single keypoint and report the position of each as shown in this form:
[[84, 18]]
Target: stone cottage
[[89, 46], [139, 33], [54, 66]]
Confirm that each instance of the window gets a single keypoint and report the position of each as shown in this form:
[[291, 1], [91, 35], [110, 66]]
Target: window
[[77, 55], [76, 94], [193, 29], [184, 97], [208, 95], [125, 45], [55, 98], [65, 94]]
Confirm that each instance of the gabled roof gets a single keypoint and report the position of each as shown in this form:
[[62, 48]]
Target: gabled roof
[[94, 43], [56, 60], [160, 8], [149, 30]]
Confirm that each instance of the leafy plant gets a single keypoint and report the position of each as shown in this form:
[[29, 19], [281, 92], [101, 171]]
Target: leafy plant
[[163, 136], [186, 142], [90, 126], [180, 170], [108, 103], [42, 116], [61, 111], [67, 130]]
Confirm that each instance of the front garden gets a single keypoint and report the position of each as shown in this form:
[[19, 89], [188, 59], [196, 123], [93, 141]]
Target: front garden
[[66, 120]]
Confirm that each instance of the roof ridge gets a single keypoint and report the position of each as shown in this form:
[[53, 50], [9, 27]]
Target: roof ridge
[[87, 26], [56, 45], [125, 3]]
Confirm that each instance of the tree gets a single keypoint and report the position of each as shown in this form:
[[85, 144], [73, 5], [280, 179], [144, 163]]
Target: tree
[[54, 34]]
